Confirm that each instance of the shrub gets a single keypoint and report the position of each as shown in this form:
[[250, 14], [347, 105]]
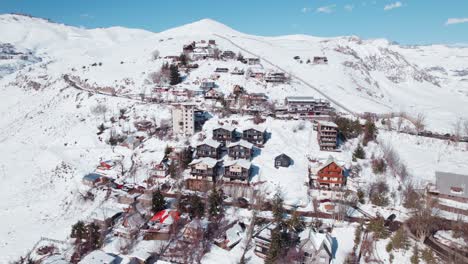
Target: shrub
[[378, 166], [428, 256], [400, 240], [377, 226], [378, 193], [389, 247]]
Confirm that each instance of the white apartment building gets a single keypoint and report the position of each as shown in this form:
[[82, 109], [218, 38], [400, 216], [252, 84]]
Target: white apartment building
[[183, 119]]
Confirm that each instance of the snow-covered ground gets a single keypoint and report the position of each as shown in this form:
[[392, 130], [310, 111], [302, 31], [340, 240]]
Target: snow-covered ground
[[48, 133]]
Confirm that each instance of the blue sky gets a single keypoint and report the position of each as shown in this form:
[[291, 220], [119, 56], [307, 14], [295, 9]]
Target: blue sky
[[403, 21]]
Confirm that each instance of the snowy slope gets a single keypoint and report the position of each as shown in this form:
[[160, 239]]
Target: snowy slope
[[47, 131]]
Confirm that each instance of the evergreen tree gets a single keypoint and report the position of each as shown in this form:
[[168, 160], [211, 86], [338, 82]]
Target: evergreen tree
[[174, 75], [93, 236], [183, 59], [215, 202], [277, 208], [78, 231], [415, 257], [359, 153], [370, 132], [197, 208], [276, 247], [296, 223], [167, 151], [158, 203], [240, 57], [400, 240]]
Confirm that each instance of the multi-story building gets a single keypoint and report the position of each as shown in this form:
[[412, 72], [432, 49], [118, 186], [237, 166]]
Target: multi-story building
[[330, 175], [327, 135], [183, 119], [240, 150], [254, 135], [205, 168], [307, 106], [209, 149]]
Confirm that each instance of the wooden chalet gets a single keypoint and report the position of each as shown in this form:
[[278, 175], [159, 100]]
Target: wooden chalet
[[254, 135], [240, 150], [282, 160], [330, 175], [209, 148], [237, 170], [207, 169], [224, 134]]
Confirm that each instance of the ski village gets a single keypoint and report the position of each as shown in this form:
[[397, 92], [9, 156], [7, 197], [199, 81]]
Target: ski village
[[211, 151]]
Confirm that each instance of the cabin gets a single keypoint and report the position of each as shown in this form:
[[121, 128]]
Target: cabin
[[162, 225], [240, 150], [315, 247], [130, 226], [257, 98], [143, 125], [452, 186], [205, 168], [228, 54], [212, 42], [105, 216], [161, 169], [208, 149], [92, 179], [188, 48], [327, 135], [320, 60], [237, 71], [263, 241], [282, 160], [237, 170], [224, 134], [330, 175], [257, 73], [99, 257], [213, 94], [222, 70], [252, 61], [207, 85], [232, 236], [254, 135], [276, 77]]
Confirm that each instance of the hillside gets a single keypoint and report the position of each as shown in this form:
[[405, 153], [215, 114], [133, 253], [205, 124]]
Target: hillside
[[48, 128]]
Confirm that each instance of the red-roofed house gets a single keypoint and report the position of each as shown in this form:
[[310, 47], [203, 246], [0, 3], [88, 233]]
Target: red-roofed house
[[162, 224]]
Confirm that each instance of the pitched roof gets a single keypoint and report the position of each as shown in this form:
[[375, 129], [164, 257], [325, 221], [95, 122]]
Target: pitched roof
[[225, 127], [254, 127], [283, 155], [208, 161], [166, 216], [242, 143], [97, 257], [210, 142], [241, 162], [91, 177]]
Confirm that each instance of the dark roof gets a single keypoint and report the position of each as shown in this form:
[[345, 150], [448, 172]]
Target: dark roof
[[282, 155], [91, 177]]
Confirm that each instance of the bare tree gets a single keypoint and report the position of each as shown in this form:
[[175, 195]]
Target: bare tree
[[420, 122], [457, 130], [100, 109]]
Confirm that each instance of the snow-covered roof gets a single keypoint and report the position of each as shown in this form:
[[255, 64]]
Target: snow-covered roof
[[97, 257], [226, 127], [208, 161], [234, 234], [255, 127], [104, 213], [56, 259], [241, 162], [316, 239], [301, 99], [242, 143], [210, 142], [327, 123]]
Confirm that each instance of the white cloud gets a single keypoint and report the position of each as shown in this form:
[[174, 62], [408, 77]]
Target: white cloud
[[349, 8], [453, 21], [393, 6], [306, 9], [326, 9]]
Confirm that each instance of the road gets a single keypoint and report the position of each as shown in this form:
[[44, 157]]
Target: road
[[292, 75]]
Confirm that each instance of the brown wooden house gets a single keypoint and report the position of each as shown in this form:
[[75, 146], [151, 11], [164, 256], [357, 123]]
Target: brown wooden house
[[224, 134], [209, 149], [237, 170], [254, 135], [205, 168], [240, 150]]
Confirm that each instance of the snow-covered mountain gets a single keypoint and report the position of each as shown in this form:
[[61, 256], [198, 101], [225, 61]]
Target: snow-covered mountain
[[48, 133], [365, 75]]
